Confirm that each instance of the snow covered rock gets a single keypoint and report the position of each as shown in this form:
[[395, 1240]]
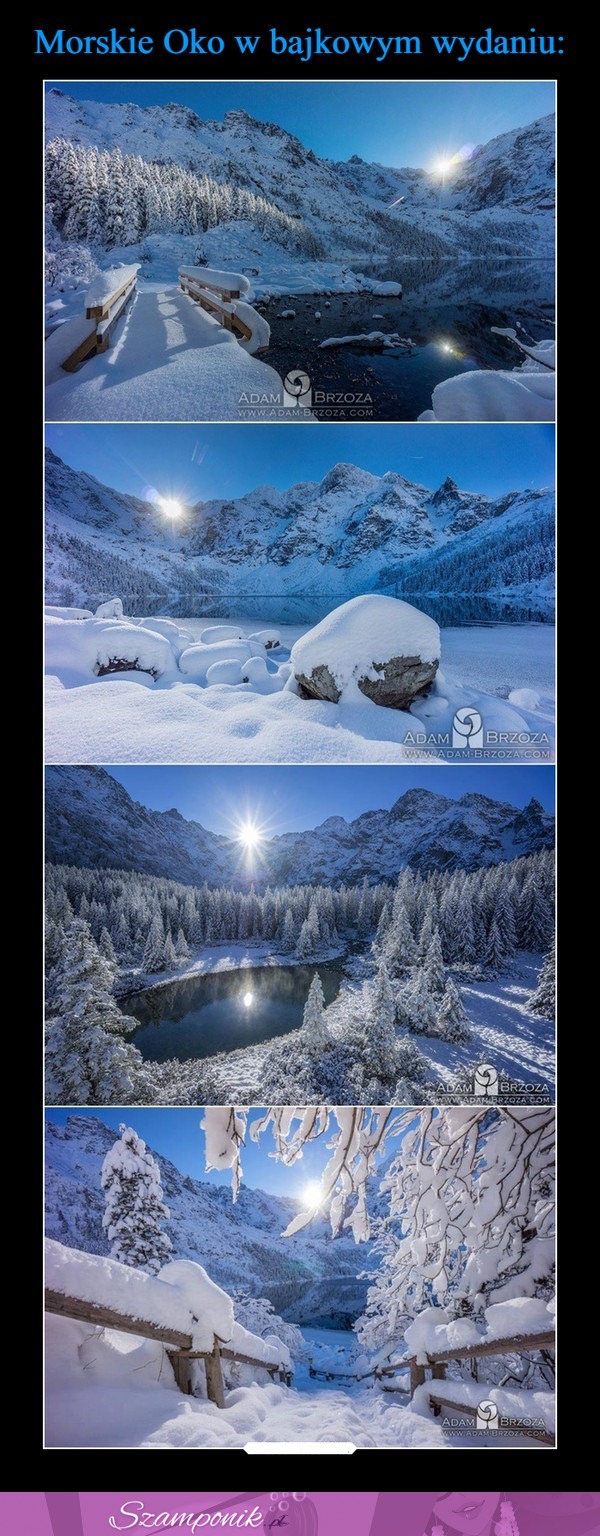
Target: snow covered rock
[[384, 647], [113, 609], [53, 611], [94, 647], [196, 660], [267, 637], [223, 672], [218, 632]]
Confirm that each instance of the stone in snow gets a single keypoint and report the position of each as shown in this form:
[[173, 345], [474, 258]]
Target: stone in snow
[[383, 646]]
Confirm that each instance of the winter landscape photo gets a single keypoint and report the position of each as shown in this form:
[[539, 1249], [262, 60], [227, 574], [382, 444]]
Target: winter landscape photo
[[379, 1277], [365, 935], [224, 594], [225, 251]]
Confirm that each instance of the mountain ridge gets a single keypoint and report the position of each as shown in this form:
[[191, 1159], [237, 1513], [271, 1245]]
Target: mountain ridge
[[92, 820]]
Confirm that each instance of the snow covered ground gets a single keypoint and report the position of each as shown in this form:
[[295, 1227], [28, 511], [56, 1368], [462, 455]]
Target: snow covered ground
[[132, 1407], [505, 673], [502, 1032]]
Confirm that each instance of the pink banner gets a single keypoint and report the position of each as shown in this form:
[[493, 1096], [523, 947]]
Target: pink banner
[[305, 1514]]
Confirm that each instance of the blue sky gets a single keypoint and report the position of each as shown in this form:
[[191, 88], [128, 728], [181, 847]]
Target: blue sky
[[399, 123], [196, 463], [289, 799], [176, 1134]]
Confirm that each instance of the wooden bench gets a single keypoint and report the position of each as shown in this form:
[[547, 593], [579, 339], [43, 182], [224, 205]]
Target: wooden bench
[[179, 1345]]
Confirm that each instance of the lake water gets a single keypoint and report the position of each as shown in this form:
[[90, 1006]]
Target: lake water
[[200, 1016], [447, 310]]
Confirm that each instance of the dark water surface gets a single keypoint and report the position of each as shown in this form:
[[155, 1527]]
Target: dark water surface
[[448, 311], [200, 1016]]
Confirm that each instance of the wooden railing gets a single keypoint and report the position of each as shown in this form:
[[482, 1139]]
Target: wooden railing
[[436, 1363], [217, 301], [179, 1345], [105, 314]]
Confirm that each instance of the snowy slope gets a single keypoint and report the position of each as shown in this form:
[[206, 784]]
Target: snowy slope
[[502, 193], [90, 819], [309, 1276], [351, 532]]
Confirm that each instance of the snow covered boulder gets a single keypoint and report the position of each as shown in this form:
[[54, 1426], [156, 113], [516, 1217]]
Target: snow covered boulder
[[270, 638], [385, 648], [113, 609], [218, 632], [196, 660], [122, 647]]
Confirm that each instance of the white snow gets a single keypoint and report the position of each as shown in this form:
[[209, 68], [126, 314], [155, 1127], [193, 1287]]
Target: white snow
[[196, 660], [90, 1277], [218, 632], [170, 361], [55, 612], [368, 339], [434, 1332], [526, 393], [267, 637], [520, 1315], [211, 277], [78, 648], [61, 343], [210, 1307], [362, 632], [139, 718], [108, 282], [261, 330], [113, 609]]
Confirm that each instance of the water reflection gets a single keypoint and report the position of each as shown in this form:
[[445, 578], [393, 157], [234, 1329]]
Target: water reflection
[[202, 1015]]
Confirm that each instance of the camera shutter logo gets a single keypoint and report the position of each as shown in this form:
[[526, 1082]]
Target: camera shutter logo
[[467, 728], [487, 1415], [485, 1082], [297, 389]]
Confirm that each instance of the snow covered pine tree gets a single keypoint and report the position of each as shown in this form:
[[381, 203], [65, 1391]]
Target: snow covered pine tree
[[135, 1214]]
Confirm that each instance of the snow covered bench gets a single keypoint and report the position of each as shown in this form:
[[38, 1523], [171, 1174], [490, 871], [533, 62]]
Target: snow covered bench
[[220, 294], [105, 300], [181, 1308]]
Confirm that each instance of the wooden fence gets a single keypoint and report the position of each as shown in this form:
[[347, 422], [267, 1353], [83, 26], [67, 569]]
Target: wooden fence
[[179, 1345], [218, 302], [105, 315]]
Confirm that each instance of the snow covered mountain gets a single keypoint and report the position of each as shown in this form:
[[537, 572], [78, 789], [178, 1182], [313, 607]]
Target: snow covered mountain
[[92, 820], [308, 1278], [502, 193], [351, 532]]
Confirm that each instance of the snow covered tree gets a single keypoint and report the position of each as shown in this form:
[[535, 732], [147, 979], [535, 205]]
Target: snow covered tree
[[434, 964], [87, 1059], [543, 1000], [418, 1004], [400, 949], [153, 958], [452, 1018], [135, 1215], [494, 950], [313, 1021], [380, 1034]]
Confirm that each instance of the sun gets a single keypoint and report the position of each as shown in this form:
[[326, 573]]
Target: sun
[[248, 999], [250, 835], [312, 1195], [443, 166], [172, 508]]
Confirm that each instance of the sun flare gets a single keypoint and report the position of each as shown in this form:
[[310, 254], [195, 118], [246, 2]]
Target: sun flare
[[248, 999], [171, 507], [312, 1195], [250, 835]]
